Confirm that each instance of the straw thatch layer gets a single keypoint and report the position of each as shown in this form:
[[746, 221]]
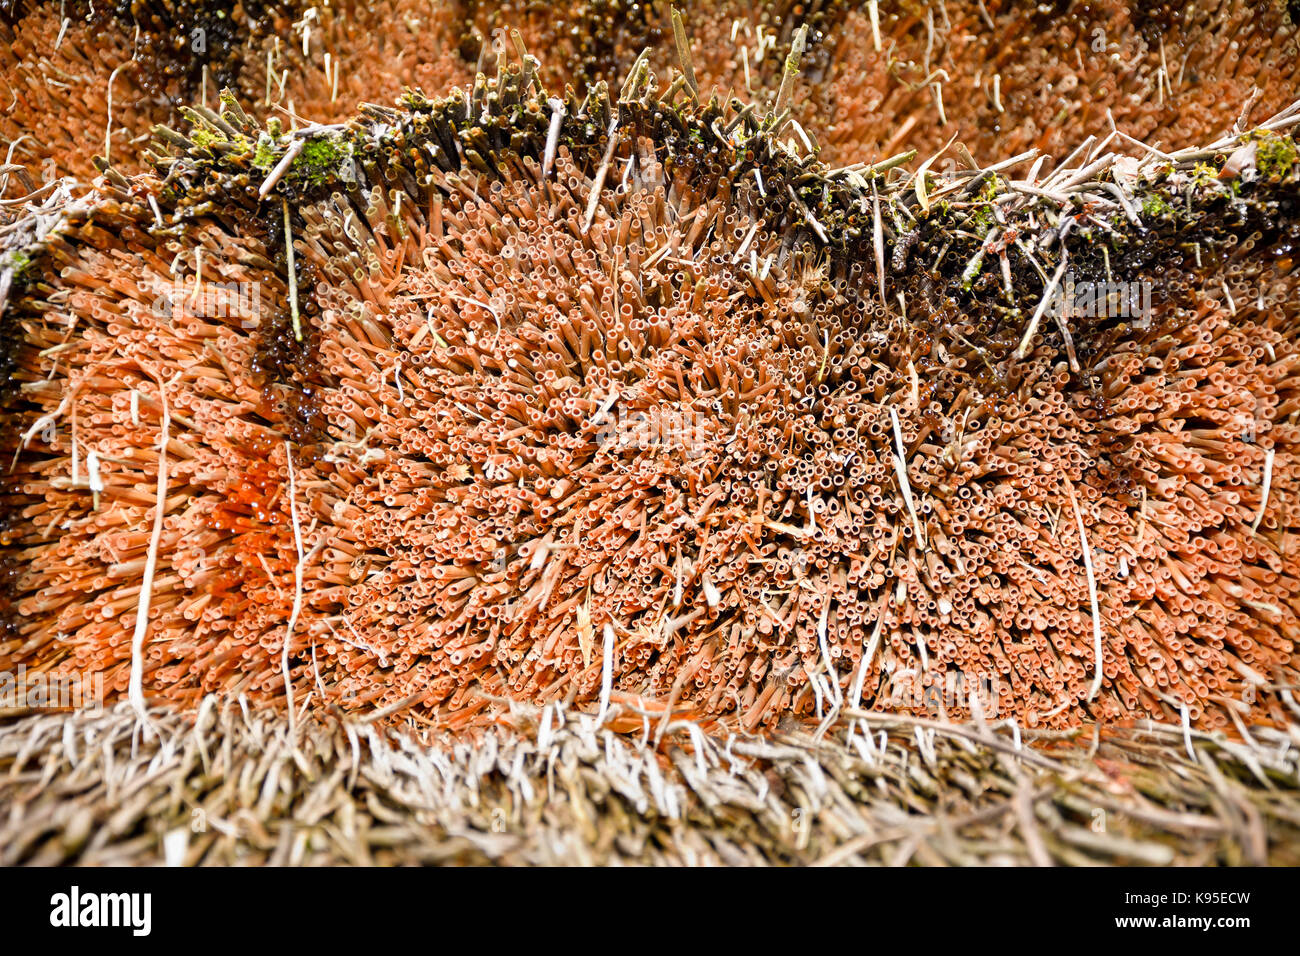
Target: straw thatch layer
[[232, 788]]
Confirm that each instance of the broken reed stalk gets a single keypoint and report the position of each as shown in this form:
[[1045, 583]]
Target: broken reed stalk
[[684, 54], [1086, 548], [296, 609], [292, 270], [135, 690], [789, 73]]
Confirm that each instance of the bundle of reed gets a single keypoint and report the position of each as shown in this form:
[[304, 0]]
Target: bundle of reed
[[235, 788], [1002, 77], [876, 78], [623, 402], [84, 80], [81, 79]]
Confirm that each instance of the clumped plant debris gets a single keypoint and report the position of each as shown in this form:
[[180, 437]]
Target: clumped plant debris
[[621, 423]]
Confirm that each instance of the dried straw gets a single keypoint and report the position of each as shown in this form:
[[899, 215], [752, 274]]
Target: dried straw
[[233, 787]]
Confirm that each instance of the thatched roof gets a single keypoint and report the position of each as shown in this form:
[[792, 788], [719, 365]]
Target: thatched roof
[[1101, 510], [234, 787]]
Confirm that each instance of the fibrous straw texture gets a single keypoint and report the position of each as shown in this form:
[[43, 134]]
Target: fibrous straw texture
[[234, 788]]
